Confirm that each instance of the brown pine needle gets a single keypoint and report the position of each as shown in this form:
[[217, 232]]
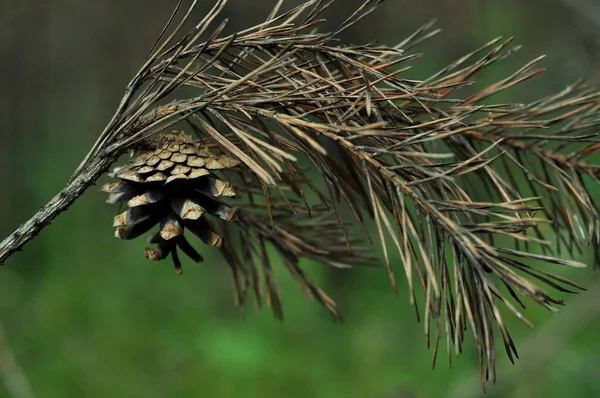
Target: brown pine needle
[[477, 199]]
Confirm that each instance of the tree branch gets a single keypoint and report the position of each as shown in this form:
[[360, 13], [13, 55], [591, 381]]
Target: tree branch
[[46, 214], [12, 375]]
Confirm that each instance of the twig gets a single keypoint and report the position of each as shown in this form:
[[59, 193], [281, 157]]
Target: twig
[[446, 178], [587, 9], [12, 375], [61, 202]]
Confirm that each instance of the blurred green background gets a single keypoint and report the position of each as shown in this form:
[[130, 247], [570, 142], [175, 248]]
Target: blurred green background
[[85, 315]]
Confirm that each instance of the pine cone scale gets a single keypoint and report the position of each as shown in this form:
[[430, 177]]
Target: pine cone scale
[[169, 183]]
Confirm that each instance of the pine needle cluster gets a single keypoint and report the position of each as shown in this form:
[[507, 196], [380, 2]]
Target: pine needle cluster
[[479, 201]]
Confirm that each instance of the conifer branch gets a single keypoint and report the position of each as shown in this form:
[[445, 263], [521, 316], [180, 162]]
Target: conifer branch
[[318, 138], [76, 186]]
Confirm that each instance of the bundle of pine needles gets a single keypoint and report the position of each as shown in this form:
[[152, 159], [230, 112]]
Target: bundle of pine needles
[[319, 137]]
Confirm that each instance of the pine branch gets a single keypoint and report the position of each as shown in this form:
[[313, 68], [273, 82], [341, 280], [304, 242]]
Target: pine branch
[[300, 141], [77, 185]]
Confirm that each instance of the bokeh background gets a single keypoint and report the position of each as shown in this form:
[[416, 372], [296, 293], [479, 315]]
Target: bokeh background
[[85, 315]]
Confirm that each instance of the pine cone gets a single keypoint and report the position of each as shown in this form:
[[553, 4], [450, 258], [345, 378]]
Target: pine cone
[[170, 182]]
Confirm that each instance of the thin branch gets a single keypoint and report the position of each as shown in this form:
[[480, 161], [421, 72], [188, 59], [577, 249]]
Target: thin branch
[[434, 167], [61, 202], [12, 374], [586, 9]]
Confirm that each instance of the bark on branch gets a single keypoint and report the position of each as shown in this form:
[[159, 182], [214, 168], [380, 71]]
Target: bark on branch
[[61, 202]]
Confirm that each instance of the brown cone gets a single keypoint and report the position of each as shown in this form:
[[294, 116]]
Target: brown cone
[[169, 183]]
